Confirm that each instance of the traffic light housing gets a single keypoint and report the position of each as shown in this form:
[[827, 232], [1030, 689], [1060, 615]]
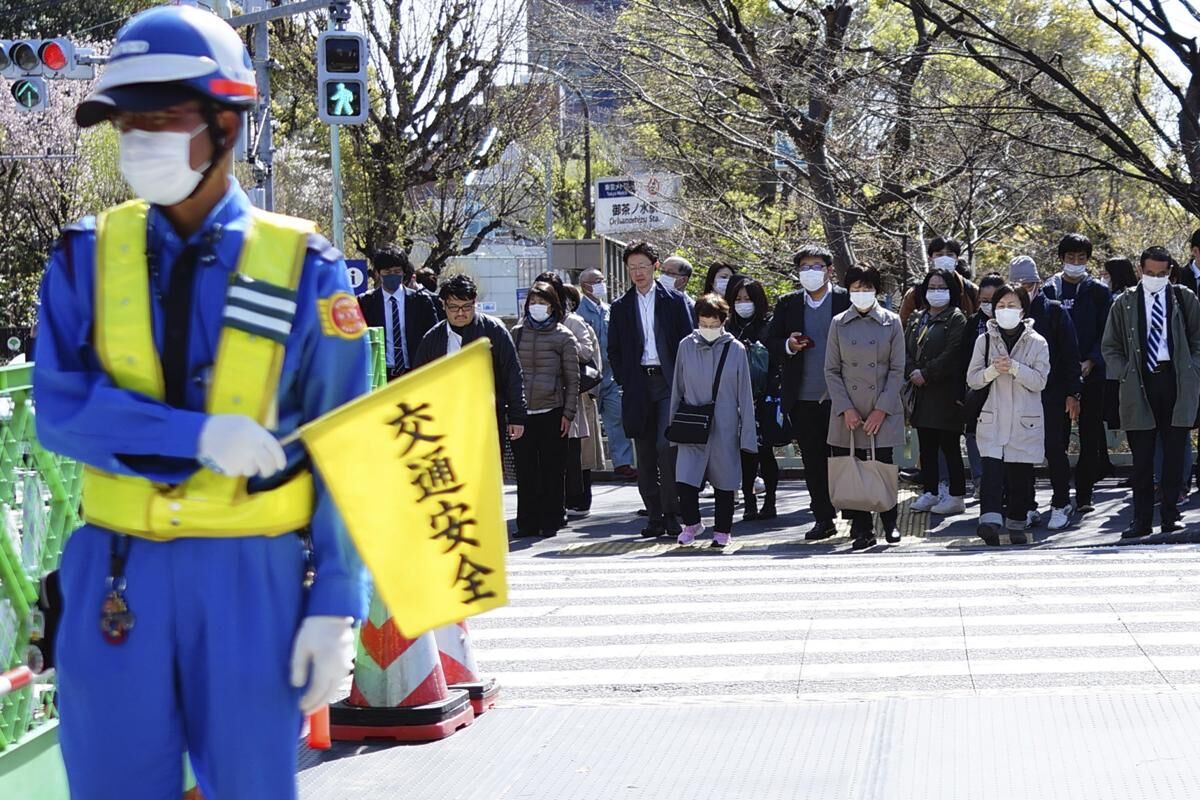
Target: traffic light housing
[[30, 93], [43, 58], [342, 78]]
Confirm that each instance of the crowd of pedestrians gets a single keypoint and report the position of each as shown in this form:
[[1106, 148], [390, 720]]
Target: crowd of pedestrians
[[697, 392]]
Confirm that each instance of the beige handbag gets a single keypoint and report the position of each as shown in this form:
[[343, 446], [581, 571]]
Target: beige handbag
[[856, 485]]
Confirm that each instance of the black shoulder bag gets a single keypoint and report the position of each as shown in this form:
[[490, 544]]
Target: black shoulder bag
[[691, 424], [973, 403]]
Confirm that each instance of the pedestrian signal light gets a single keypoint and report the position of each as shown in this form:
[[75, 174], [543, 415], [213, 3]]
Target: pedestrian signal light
[[342, 78], [30, 94]]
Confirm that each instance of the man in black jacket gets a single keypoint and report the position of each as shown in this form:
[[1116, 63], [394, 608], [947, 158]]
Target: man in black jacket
[[796, 337], [645, 327], [405, 315], [1063, 388], [1087, 302], [463, 325]]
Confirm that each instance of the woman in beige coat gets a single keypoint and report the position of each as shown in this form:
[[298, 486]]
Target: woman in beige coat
[[864, 370], [1012, 362]]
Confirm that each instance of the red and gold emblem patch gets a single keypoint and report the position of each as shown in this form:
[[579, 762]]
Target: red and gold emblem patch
[[341, 316]]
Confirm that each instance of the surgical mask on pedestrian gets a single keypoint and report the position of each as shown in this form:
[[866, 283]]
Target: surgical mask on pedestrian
[[1075, 270], [1154, 284], [720, 285], [668, 281], [986, 308], [710, 334], [812, 279], [945, 262], [1008, 318], [391, 282], [599, 291], [744, 310], [938, 298], [539, 312], [862, 300], [157, 165]]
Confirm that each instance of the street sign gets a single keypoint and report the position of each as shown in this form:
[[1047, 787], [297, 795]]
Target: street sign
[[30, 94], [356, 268], [637, 203]]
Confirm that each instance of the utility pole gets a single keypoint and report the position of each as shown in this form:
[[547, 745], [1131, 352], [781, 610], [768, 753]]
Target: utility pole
[[264, 162]]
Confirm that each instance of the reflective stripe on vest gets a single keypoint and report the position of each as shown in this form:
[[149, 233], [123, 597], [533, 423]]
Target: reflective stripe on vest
[[259, 308]]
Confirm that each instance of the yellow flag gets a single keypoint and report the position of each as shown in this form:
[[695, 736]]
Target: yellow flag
[[414, 469]]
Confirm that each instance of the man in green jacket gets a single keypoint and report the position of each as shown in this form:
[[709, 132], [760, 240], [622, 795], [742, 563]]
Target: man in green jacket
[[1151, 345]]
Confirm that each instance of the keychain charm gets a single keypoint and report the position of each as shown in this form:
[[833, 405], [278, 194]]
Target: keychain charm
[[116, 620]]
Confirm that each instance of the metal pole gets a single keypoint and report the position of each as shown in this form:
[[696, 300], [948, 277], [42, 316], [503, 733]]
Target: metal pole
[[549, 213], [335, 168], [266, 144], [589, 211]]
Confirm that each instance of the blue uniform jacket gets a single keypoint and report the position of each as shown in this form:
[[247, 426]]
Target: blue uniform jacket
[[83, 415]]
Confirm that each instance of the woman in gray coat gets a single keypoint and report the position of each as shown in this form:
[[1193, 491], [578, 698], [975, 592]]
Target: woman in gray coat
[[733, 431], [864, 370]]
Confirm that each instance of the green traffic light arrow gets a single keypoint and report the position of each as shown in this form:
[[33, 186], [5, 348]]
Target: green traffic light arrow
[[26, 94]]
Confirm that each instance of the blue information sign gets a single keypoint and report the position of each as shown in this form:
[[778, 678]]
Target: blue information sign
[[356, 268]]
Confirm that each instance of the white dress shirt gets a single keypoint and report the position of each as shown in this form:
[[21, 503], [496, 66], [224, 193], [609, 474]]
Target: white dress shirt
[[387, 325], [453, 341], [646, 311], [1164, 351]]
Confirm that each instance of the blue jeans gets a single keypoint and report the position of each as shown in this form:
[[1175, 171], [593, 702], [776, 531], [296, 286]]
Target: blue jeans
[[620, 449], [974, 459]]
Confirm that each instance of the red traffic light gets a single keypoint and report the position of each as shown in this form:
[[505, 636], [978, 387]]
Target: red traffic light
[[54, 56]]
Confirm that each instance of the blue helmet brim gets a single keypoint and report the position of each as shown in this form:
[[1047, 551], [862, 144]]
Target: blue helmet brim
[[100, 106]]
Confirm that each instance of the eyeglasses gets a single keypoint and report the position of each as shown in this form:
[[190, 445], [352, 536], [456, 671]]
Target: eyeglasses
[[454, 308], [640, 267]]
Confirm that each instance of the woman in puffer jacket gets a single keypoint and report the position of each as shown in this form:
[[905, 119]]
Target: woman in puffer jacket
[[549, 358], [1014, 361]]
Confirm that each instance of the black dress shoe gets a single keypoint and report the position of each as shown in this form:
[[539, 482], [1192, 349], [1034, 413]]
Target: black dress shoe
[[1171, 526], [751, 512], [548, 533], [672, 525], [768, 509], [643, 512], [525, 534], [989, 532], [653, 531], [822, 530], [863, 542], [892, 537], [1136, 531]]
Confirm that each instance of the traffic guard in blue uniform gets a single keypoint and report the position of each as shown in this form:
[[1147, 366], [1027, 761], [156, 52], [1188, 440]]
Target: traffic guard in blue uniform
[[209, 599]]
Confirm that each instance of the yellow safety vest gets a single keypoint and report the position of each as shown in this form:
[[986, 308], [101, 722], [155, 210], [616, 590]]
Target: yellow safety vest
[[245, 380]]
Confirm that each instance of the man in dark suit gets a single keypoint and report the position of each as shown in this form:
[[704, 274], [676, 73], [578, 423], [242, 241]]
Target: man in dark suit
[[404, 314], [645, 328], [796, 337], [1152, 345]]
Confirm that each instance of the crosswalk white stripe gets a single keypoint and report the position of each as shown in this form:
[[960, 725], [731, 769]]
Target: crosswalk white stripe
[[875, 604], [485, 633], [796, 646], [866, 587]]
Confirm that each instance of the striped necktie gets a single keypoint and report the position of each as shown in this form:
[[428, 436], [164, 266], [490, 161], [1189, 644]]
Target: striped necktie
[[1158, 325], [397, 338]]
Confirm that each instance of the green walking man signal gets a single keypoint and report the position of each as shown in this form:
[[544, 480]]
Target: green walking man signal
[[342, 78]]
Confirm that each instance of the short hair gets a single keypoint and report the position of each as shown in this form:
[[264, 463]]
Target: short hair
[[992, 280], [460, 287], [1074, 243], [547, 292], [571, 295], [1154, 253], [1195, 240], [863, 275], [427, 278], [685, 266], [812, 251], [392, 256], [1121, 274], [953, 283], [555, 281], [1019, 291], [712, 305], [710, 279], [755, 291], [941, 243], [643, 248]]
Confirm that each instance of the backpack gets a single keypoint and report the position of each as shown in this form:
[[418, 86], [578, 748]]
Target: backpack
[[760, 367]]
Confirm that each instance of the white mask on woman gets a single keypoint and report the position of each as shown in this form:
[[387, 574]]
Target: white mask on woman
[[720, 285], [710, 334], [1008, 318], [938, 298], [539, 312], [986, 308], [945, 262], [744, 310], [862, 300]]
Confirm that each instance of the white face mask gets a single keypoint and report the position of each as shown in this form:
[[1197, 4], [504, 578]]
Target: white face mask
[[986, 308], [1008, 318], [599, 291], [539, 312], [710, 334], [862, 300], [744, 310], [938, 298], [667, 281], [720, 285], [157, 165], [945, 262], [1075, 270], [812, 279], [1154, 285]]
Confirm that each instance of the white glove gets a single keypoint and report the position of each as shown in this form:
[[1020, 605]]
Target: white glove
[[231, 444], [327, 644]]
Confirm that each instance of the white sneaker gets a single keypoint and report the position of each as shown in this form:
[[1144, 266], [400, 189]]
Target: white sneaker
[[949, 506], [1060, 517], [925, 502]]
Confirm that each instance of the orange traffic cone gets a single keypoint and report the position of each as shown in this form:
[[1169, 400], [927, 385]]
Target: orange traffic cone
[[318, 729], [399, 691], [458, 664]]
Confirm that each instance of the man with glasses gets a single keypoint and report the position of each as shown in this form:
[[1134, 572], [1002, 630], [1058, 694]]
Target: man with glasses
[[463, 325], [797, 336]]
